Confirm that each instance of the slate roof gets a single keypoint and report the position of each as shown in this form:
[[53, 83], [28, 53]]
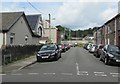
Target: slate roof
[[32, 20], [10, 18]]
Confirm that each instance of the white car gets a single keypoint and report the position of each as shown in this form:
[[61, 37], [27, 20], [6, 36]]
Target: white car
[[89, 45], [92, 48]]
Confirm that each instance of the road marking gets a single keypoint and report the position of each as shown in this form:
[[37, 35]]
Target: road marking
[[17, 74], [33, 73], [49, 73], [3, 74], [77, 68], [115, 74], [100, 74], [67, 74], [83, 73]]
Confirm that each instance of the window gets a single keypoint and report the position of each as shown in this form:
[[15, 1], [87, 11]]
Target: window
[[26, 39], [40, 31], [12, 37], [11, 40]]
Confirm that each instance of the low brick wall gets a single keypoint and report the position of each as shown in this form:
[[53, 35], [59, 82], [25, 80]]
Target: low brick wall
[[13, 53]]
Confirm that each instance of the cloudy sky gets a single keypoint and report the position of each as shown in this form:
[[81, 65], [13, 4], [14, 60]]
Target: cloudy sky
[[74, 14]]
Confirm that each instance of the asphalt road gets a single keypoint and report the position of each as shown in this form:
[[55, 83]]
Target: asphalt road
[[76, 65]]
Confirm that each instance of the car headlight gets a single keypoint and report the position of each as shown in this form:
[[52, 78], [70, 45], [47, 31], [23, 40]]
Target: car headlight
[[53, 53], [38, 54], [111, 55]]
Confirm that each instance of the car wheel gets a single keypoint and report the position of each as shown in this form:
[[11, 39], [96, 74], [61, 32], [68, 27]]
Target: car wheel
[[106, 61], [60, 55], [56, 58]]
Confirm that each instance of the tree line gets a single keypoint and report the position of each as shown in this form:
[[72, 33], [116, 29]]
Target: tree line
[[76, 33]]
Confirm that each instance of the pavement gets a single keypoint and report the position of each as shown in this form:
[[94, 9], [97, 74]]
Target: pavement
[[18, 65]]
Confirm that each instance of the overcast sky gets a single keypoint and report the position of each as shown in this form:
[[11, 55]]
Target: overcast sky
[[73, 14]]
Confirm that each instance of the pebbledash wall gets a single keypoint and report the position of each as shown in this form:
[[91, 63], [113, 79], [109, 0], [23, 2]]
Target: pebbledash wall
[[20, 30]]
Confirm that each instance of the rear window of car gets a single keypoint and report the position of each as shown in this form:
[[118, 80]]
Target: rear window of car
[[100, 47]]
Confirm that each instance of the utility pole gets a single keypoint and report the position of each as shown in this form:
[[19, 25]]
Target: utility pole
[[50, 28]]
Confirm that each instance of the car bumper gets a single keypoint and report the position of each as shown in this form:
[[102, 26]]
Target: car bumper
[[115, 61], [49, 58]]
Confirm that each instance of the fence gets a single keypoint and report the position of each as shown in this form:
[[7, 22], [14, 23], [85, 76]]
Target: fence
[[13, 53]]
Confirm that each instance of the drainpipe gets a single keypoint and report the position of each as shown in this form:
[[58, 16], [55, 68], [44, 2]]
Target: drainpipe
[[115, 43], [3, 39]]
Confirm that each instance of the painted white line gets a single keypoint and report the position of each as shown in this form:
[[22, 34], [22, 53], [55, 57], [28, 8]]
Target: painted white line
[[67, 74], [33, 73], [20, 68], [3, 74], [49, 73], [114, 73], [77, 68], [83, 73], [100, 75], [99, 72], [17, 74]]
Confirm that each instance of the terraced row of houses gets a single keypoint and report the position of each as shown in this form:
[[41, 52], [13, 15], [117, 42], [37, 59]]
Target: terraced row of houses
[[109, 33], [20, 29]]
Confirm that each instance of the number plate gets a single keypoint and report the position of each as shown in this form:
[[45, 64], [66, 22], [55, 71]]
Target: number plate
[[45, 57]]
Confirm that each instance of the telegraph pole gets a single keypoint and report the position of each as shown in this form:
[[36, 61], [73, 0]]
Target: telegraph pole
[[50, 27]]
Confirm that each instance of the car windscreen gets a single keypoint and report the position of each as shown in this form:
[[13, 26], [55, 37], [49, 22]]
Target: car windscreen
[[114, 48], [48, 47]]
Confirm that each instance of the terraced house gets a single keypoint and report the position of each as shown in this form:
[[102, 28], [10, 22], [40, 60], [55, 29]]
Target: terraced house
[[109, 33]]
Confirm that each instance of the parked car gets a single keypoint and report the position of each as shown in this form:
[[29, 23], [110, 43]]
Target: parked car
[[92, 48], [60, 47], [66, 46], [71, 44], [76, 43], [48, 52], [110, 54], [98, 49], [85, 46], [89, 45]]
